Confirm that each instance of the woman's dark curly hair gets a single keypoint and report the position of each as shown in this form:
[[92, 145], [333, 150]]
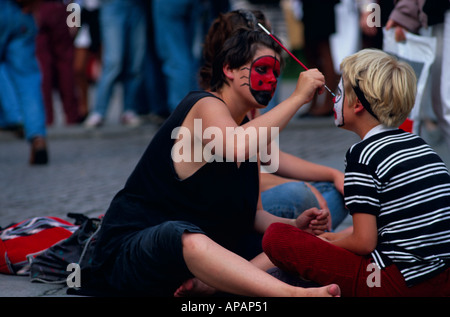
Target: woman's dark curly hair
[[222, 29], [237, 51]]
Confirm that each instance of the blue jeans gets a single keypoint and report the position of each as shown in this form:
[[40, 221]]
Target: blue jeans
[[290, 199], [176, 22], [21, 99], [123, 30]]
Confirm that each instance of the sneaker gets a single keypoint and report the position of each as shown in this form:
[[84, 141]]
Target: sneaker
[[94, 120], [130, 119]]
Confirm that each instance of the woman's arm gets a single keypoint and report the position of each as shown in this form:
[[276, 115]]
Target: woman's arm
[[362, 240], [217, 116], [294, 167], [313, 220]]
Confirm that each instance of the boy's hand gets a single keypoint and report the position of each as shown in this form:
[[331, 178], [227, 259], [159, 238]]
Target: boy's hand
[[313, 220], [328, 236]]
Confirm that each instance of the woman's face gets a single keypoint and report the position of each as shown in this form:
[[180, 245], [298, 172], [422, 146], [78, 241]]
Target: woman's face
[[261, 75]]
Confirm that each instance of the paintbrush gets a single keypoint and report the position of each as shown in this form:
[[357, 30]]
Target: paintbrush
[[292, 55]]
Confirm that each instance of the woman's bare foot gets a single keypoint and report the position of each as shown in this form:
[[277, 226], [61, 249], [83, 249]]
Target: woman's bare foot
[[194, 287], [331, 290]]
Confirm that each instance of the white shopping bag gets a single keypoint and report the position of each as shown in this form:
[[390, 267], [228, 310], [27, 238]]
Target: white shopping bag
[[419, 52]]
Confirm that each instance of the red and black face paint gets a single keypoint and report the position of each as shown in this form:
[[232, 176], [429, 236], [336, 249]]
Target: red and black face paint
[[263, 78]]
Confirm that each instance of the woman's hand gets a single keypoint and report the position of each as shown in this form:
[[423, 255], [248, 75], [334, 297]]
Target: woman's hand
[[308, 83]]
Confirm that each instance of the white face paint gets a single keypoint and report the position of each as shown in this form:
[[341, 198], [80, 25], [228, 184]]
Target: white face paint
[[339, 104]]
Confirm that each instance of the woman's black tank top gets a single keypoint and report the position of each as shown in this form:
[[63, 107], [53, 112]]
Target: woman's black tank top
[[220, 197]]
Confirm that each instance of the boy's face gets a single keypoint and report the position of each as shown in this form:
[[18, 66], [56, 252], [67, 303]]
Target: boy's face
[[339, 104]]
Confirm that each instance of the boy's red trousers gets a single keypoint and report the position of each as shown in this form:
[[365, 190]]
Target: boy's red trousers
[[299, 252]]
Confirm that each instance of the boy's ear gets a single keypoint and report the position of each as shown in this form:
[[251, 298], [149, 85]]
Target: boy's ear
[[228, 72], [358, 107]]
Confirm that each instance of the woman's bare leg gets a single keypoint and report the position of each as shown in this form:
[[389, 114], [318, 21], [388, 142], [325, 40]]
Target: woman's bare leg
[[228, 272]]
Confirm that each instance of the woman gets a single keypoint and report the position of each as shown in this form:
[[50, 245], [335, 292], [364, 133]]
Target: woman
[[174, 226]]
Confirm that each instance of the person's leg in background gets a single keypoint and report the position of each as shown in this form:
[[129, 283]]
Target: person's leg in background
[[62, 41], [113, 32], [44, 53], [174, 35], [442, 108], [21, 66], [135, 46], [290, 199], [10, 112]]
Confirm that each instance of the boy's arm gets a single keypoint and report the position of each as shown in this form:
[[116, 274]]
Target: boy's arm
[[362, 240]]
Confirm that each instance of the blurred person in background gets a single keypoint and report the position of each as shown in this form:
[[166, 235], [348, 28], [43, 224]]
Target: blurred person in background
[[177, 23], [429, 18], [319, 23], [21, 97], [87, 53], [55, 53], [123, 40]]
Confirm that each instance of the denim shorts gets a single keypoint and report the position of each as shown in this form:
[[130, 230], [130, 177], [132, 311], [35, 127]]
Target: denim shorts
[[290, 199], [151, 262]]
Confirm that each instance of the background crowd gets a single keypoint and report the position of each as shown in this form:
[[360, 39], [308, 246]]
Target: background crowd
[[153, 49]]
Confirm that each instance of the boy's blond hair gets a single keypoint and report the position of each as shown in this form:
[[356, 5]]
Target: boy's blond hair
[[388, 84]]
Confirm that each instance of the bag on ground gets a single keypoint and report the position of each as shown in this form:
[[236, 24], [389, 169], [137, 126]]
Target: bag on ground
[[26, 239], [52, 265]]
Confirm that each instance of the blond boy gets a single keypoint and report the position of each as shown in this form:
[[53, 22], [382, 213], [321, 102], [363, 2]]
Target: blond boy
[[397, 190]]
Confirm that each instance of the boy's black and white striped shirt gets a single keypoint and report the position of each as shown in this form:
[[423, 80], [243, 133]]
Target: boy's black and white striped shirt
[[397, 177]]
